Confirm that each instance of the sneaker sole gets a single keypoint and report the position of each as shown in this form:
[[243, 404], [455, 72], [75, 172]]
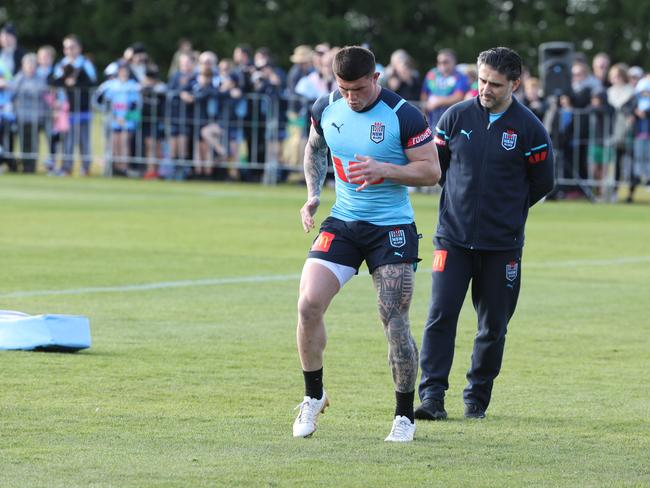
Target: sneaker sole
[[420, 415]]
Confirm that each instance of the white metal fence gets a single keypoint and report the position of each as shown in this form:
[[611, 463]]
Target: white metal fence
[[156, 133]]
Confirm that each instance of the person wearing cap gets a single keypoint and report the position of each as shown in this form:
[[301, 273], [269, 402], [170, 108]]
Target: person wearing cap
[[10, 53], [302, 59], [634, 74], [139, 61], [297, 109]]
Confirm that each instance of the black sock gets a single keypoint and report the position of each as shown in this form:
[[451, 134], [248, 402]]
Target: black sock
[[404, 405], [314, 384]]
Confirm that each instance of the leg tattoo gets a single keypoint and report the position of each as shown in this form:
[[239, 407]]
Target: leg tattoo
[[394, 285]]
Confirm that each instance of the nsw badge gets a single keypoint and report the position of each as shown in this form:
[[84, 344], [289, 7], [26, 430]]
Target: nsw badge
[[512, 269], [377, 132], [509, 140], [397, 237]]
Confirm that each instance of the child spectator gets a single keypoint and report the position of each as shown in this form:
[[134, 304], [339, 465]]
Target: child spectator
[[123, 100], [59, 122], [45, 57]]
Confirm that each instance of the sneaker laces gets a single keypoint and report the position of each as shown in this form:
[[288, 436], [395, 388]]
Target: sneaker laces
[[401, 427], [308, 411]]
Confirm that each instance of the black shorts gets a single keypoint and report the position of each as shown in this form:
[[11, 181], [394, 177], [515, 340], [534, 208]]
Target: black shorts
[[350, 243]]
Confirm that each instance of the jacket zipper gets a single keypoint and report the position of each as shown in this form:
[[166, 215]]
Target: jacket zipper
[[480, 186]]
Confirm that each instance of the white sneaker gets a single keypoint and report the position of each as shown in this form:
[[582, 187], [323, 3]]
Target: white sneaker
[[403, 430], [305, 423]]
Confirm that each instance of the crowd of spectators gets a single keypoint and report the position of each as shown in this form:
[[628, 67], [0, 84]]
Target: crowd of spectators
[[226, 117]]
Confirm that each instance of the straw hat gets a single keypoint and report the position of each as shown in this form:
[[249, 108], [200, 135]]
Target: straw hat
[[301, 54]]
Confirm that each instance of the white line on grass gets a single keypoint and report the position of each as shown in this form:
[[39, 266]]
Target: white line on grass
[[269, 278], [577, 263], [152, 286]]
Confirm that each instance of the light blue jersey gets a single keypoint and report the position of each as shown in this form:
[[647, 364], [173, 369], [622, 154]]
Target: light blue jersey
[[124, 100], [382, 131]]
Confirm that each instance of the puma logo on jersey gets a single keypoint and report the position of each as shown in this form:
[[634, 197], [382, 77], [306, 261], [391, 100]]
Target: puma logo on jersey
[[337, 127], [465, 133]]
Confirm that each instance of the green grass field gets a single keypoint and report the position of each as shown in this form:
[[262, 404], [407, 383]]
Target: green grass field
[[192, 380]]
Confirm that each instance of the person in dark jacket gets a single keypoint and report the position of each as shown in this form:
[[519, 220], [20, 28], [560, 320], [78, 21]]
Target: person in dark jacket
[[11, 54], [76, 74], [497, 162]]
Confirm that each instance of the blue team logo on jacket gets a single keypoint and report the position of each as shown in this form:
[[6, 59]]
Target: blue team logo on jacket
[[377, 131], [509, 140], [511, 270], [397, 237]]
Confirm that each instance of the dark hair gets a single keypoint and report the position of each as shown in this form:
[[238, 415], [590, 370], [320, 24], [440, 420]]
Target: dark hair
[[74, 38], [246, 49], [354, 62], [448, 52], [138, 48], [504, 60], [9, 28], [152, 71]]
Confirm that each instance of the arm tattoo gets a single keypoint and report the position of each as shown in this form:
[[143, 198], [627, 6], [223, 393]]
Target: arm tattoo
[[315, 163], [394, 285]]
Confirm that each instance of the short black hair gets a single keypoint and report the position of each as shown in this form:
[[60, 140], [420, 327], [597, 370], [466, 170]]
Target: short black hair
[[503, 59], [354, 62]]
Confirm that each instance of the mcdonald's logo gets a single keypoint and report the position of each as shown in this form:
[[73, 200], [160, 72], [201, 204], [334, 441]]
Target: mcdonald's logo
[[439, 259], [323, 242]]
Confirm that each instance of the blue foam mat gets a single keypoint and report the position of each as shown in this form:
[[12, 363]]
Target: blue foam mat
[[49, 332]]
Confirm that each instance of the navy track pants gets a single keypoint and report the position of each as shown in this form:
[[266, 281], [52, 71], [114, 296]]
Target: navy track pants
[[495, 277]]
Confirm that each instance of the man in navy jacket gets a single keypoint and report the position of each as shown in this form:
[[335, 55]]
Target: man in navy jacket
[[497, 162]]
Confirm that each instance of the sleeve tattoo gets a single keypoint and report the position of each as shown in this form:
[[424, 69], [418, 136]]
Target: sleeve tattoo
[[315, 163]]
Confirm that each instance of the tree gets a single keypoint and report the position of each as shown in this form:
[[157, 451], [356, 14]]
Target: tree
[[420, 26]]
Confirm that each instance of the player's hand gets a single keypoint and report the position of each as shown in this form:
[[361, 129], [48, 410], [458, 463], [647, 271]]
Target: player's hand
[[365, 171], [307, 213]]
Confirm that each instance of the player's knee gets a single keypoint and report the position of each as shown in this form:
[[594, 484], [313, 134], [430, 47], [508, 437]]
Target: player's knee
[[398, 330], [310, 310]]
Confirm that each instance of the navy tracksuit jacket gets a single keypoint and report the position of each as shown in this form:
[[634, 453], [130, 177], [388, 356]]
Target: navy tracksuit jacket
[[492, 174]]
